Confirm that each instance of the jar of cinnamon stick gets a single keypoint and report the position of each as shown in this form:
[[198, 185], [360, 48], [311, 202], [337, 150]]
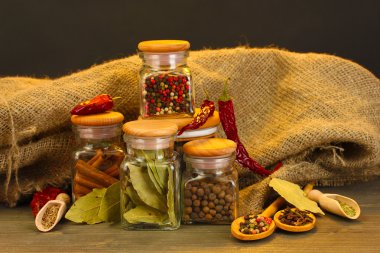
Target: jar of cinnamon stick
[[99, 152]]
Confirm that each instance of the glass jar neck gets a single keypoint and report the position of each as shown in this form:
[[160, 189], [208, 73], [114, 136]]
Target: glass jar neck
[[98, 135], [160, 147], [169, 60], [211, 165]]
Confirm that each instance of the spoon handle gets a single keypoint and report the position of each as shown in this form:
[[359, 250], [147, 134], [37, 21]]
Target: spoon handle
[[273, 208]]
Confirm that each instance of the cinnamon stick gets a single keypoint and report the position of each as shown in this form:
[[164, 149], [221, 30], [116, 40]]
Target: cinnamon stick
[[85, 181], [92, 173], [80, 189], [98, 154], [113, 170]]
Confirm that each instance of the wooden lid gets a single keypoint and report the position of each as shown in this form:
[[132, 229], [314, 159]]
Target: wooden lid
[[163, 46], [100, 119], [209, 147], [150, 128], [212, 121]]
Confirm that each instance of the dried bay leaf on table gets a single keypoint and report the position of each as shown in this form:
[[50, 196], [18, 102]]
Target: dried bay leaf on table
[[146, 191], [110, 205], [144, 214], [294, 195], [97, 206], [86, 208]]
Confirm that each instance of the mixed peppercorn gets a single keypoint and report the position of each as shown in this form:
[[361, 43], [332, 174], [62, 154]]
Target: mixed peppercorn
[[254, 224], [167, 94]]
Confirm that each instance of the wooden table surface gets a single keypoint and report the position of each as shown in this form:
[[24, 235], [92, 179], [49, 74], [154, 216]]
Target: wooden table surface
[[332, 233]]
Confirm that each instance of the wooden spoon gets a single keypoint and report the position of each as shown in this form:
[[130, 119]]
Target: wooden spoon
[[290, 228], [329, 202], [268, 212], [61, 202]]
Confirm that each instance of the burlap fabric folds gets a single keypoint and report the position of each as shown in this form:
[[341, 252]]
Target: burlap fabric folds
[[317, 113]]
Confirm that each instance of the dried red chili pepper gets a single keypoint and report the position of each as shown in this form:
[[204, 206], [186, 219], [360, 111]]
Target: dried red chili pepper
[[98, 104], [207, 110], [41, 198], [227, 118]]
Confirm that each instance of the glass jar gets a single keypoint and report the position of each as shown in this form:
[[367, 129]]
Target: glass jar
[[98, 155], [166, 85], [150, 178], [210, 182]]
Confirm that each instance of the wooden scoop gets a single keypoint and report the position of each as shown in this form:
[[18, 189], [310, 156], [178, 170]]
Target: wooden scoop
[[329, 202], [61, 203]]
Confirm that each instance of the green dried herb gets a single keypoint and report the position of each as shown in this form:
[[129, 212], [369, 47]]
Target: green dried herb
[[349, 210], [97, 206], [144, 214], [146, 191]]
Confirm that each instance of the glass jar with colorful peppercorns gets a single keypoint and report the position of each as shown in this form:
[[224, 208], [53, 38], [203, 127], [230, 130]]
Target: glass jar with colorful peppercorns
[[166, 84]]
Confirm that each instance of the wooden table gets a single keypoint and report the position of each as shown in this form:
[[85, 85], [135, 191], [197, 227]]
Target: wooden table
[[332, 234]]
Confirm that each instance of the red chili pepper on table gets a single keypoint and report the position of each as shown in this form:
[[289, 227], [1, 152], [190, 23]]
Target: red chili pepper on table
[[227, 118], [41, 198], [98, 104], [207, 110]]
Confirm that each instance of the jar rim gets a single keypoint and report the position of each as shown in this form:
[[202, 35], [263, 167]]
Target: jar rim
[[210, 163]]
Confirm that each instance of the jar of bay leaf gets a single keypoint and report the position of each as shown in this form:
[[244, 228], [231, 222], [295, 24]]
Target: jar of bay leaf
[[150, 178], [99, 152], [210, 183], [167, 89]]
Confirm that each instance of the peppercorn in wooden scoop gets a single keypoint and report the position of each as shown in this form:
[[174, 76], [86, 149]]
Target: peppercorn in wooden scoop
[[268, 212]]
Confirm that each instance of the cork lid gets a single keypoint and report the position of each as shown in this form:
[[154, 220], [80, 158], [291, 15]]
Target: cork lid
[[150, 128], [209, 147], [100, 119], [163, 46]]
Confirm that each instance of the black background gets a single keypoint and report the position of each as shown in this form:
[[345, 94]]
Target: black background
[[53, 38]]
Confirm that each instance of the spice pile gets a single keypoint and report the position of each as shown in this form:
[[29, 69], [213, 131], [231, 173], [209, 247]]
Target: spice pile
[[295, 217], [254, 224], [207, 200], [166, 94], [349, 210]]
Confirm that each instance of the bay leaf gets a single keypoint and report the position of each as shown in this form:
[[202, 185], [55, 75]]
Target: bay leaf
[[133, 196], [146, 191], [294, 195], [86, 208], [152, 171], [144, 214], [162, 173], [110, 205], [170, 198]]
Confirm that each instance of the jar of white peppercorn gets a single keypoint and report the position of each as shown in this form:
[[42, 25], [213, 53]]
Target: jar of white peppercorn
[[166, 84], [210, 182]]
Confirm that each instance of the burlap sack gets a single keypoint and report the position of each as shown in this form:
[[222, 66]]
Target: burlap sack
[[319, 114]]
